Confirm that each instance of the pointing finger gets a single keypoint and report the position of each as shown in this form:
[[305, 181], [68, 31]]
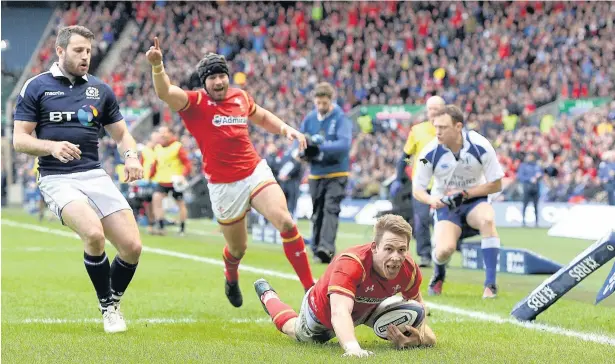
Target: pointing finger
[[156, 43]]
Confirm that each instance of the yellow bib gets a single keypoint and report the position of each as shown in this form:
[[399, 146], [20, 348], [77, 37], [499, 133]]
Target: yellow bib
[[420, 135], [168, 163], [149, 156]]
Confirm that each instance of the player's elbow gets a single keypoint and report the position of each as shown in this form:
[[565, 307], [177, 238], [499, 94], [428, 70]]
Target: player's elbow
[[18, 143]]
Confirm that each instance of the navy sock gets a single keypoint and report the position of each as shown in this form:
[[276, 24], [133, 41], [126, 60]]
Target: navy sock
[[439, 270], [98, 269], [491, 251], [121, 275]]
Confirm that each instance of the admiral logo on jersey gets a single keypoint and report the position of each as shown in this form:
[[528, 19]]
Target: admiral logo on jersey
[[221, 120]]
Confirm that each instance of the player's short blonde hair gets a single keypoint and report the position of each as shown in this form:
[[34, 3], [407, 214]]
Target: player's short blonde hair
[[324, 89], [394, 224]]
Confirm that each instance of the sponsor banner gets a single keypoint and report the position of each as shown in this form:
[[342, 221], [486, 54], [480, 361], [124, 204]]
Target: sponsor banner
[[386, 112], [508, 214], [362, 212], [132, 114], [552, 289], [510, 260], [588, 222], [608, 287], [579, 106]]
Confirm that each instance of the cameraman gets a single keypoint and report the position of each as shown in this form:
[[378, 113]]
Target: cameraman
[[329, 135]]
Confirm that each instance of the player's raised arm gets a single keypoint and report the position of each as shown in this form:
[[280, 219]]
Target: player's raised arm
[[175, 97], [273, 124]]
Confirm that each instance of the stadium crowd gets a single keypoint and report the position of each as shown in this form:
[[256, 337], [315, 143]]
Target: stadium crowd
[[498, 61]]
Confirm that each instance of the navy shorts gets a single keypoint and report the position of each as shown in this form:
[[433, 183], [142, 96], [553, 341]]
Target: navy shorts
[[458, 216]]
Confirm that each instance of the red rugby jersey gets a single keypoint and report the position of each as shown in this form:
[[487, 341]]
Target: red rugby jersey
[[221, 131], [351, 274]]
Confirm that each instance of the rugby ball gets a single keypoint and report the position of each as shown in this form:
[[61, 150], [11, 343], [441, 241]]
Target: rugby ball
[[396, 311]]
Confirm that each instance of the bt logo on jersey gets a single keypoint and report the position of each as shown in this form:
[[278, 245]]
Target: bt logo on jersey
[[59, 116], [86, 115]]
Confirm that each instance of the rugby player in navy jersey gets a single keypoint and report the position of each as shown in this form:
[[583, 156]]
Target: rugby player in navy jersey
[[66, 108]]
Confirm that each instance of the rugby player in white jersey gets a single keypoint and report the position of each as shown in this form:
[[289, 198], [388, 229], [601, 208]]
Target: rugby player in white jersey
[[466, 171]]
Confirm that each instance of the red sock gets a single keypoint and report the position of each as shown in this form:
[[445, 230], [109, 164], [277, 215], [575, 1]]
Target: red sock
[[231, 264], [279, 311], [294, 248]]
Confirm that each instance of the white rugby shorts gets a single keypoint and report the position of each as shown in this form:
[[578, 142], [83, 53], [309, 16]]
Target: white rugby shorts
[[231, 201], [94, 187], [307, 327]]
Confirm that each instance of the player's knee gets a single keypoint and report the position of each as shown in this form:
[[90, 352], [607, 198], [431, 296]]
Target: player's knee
[[444, 253], [238, 251], [287, 223], [133, 250], [487, 222], [94, 237], [289, 328]]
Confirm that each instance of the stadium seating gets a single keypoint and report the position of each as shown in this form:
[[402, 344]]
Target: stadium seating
[[498, 61]]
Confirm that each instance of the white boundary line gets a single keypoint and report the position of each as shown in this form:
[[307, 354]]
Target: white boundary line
[[52, 321], [477, 315], [159, 321]]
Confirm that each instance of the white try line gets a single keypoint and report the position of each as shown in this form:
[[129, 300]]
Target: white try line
[[56, 321], [476, 315], [152, 321]]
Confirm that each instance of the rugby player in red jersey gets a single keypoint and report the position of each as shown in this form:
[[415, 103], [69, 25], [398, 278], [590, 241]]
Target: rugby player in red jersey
[[355, 283], [217, 116]]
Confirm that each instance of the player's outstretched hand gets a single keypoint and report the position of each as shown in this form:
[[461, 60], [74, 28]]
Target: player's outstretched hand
[[154, 54], [402, 341], [65, 151], [359, 353], [293, 134], [133, 170]]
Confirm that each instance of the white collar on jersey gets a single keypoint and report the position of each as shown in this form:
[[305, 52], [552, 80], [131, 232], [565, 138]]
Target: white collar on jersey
[[57, 72]]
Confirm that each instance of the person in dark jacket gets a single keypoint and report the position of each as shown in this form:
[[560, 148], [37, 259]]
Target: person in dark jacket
[[329, 134], [529, 174], [606, 174]]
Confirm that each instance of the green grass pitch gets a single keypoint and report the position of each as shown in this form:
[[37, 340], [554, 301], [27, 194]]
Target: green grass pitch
[[177, 312]]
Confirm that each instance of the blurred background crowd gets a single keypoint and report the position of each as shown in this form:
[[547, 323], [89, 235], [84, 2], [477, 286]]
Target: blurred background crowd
[[535, 78]]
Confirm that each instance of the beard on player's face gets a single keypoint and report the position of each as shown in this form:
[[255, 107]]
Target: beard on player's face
[[76, 68], [217, 85], [75, 59]]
